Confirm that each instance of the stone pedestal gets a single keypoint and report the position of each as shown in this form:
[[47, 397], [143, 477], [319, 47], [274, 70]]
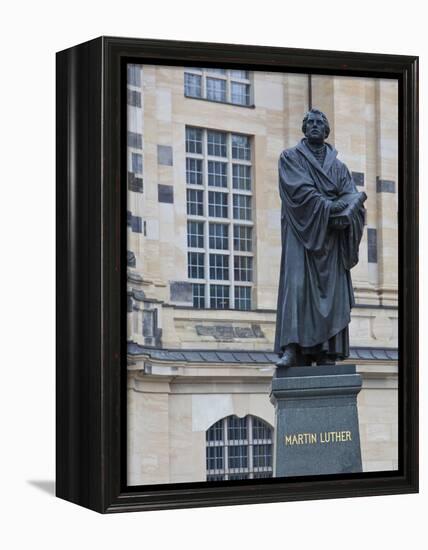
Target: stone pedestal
[[316, 420]]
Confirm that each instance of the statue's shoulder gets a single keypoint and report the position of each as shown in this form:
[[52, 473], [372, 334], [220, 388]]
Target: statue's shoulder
[[339, 163], [290, 153], [340, 166]]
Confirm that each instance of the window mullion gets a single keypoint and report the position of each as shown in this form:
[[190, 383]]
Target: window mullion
[[230, 221], [250, 446], [228, 89], [206, 216], [204, 84], [226, 451]]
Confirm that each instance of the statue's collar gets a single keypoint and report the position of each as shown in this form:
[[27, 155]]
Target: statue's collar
[[330, 156]]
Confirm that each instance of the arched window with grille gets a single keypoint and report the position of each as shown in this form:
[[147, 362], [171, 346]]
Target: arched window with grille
[[239, 448]]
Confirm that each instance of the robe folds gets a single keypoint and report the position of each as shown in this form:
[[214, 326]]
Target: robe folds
[[315, 293]]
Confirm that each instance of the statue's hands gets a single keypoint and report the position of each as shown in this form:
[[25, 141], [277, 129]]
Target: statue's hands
[[338, 206]]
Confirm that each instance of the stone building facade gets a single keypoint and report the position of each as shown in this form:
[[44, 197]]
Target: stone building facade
[[204, 247]]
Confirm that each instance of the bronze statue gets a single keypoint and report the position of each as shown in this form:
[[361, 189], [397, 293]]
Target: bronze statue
[[322, 220]]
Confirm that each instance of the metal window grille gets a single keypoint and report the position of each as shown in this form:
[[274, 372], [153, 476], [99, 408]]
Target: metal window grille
[[239, 448]]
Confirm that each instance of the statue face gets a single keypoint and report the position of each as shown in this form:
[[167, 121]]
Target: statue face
[[315, 128]]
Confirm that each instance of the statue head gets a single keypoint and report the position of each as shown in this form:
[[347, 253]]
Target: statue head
[[315, 126]]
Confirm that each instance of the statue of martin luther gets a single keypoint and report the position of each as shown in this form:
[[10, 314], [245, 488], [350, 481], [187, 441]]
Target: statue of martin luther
[[322, 220]]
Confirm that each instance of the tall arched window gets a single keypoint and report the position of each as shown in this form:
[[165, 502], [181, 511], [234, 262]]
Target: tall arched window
[[239, 448]]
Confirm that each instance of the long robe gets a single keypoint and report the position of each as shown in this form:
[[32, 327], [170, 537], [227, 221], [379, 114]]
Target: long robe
[[315, 293]]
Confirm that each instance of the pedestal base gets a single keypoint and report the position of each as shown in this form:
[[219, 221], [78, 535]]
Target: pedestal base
[[316, 421]]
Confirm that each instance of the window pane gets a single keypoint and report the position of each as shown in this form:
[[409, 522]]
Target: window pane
[[207, 167], [195, 265], [243, 268], [217, 174], [215, 433], [262, 456], [216, 89], [243, 297], [135, 183], [242, 238], [194, 171], [238, 456], [238, 74], [137, 163], [193, 140], [218, 71], [215, 458], [219, 236], [198, 295], [241, 147], [216, 142], [241, 177], [219, 296], [217, 204], [242, 207], [219, 267], [236, 428], [260, 475], [135, 140], [195, 206], [192, 85], [134, 98], [134, 75], [195, 234], [261, 430], [239, 93], [215, 477], [234, 477], [228, 455]]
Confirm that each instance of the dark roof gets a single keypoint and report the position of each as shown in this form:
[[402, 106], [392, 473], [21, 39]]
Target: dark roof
[[240, 356]]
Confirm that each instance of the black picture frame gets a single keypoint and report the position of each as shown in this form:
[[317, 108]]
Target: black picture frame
[[91, 285]]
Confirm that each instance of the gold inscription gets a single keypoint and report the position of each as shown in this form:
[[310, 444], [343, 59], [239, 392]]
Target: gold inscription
[[322, 437]]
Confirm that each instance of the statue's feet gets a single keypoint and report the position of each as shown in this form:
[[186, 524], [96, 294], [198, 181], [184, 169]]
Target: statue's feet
[[289, 357], [305, 361], [324, 359]]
